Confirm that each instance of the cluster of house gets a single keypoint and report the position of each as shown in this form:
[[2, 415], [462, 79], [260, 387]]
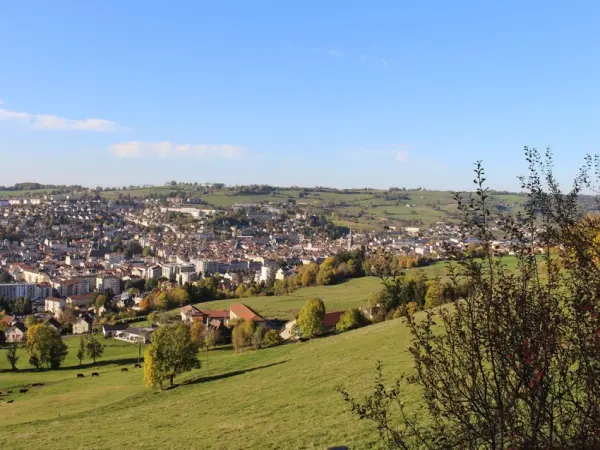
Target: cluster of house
[[220, 319]]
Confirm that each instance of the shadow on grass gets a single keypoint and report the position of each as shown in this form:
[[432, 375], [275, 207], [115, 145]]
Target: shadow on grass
[[91, 365], [225, 375]]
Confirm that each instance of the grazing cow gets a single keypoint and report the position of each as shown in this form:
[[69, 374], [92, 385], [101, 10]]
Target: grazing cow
[[80, 375], [138, 366], [23, 391], [124, 369], [95, 374], [9, 392], [37, 384], [10, 401]]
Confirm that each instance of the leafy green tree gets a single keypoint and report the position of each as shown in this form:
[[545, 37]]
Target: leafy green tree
[[94, 348], [11, 356], [162, 301], [311, 318], [271, 339], [22, 306], [353, 318], [30, 321], [434, 297], [5, 277], [210, 339], [45, 347], [81, 350], [258, 337], [173, 352]]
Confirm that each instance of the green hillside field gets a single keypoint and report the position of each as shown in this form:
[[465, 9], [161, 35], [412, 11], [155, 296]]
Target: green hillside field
[[283, 397]]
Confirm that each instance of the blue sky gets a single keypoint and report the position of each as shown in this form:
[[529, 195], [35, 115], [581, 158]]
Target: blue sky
[[332, 93]]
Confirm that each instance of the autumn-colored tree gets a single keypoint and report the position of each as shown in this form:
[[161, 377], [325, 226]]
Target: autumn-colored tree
[[434, 297], [241, 336], [308, 274], [326, 274], [151, 378], [179, 296], [197, 332], [514, 362]]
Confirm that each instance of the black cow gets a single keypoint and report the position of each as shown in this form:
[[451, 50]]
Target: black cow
[[10, 401], [95, 374], [37, 384], [23, 391], [124, 369], [9, 392], [80, 375], [138, 366]]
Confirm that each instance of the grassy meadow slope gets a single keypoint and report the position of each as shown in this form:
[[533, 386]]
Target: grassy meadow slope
[[283, 397]]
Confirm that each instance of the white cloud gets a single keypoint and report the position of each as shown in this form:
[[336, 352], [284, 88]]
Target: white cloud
[[333, 52], [50, 122], [5, 114], [168, 149]]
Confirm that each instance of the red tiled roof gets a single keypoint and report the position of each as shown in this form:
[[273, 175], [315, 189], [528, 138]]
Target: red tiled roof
[[244, 312], [331, 319], [217, 314]]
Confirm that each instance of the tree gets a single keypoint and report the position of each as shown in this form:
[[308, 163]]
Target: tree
[[173, 352], [81, 350], [69, 317], [210, 339], [197, 332], [94, 348], [151, 378], [308, 274], [241, 336], [30, 321], [351, 319], [258, 337], [162, 301], [514, 362], [311, 318], [11, 356], [179, 296], [100, 301], [433, 297], [326, 273], [5, 277], [45, 347], [22, 306], [271, 339]]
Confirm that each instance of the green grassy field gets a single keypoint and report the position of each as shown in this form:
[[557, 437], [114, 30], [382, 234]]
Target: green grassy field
[[283, 397], [340, 297]]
